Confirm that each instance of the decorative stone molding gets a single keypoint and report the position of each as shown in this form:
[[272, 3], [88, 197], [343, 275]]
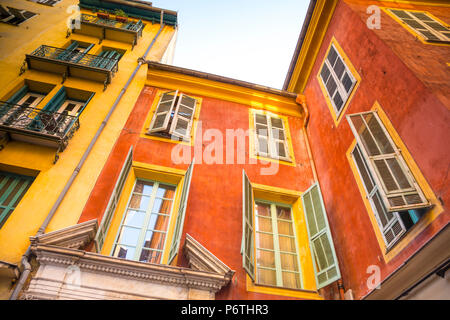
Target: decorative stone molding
[[202, 259], [76, 236], [68, 273]]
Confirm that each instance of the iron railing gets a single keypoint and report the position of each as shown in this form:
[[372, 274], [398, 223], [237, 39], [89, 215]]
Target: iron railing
[[130, 26], [53, 125], [76, 58]]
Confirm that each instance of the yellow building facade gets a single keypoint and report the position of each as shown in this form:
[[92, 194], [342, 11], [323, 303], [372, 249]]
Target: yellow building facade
[[71, 73]]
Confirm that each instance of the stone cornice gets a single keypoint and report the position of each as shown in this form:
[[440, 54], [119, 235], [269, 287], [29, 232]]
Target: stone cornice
[[156, 273], [75, 237], [203, 260]]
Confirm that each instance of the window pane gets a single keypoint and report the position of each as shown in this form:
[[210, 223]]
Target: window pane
[[134, 218], [268, 277], [289, 262], [262, 145], [182, 126], [154, 240], [338, 102], [325, 73], [124, 252], [332, 56], [277, 123], [285, 227], [365, 175], [129, 236], [262, 209], [143, 187], [339, 68], [158, 222], [287, 244], [278, 134], [291, 280], [150, 256], [280, 150], [139, 202], [264, 224], [261, 118], [331, 86], [265, 258], [347, 82], [264, 240], [262, 130]]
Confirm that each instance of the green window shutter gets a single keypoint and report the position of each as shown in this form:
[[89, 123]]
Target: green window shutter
[[247, 245], [175, 245], [12, 189], [56, 101], [324, 256], [19, 94], [113, 201], [398, 186], [183, 117], [67, 52], [163, 112]]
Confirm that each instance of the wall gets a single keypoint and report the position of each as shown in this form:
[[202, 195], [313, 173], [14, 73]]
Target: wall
[[214, 208], [417, 112]]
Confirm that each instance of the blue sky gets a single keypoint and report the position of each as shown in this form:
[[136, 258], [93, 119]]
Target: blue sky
[[248, 40]]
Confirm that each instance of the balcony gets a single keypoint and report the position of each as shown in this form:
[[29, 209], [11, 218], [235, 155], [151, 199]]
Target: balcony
[[106, 28], [37, 126], [72, 64]]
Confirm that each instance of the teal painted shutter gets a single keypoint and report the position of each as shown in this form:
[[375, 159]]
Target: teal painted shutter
[[12, 189], [247, 245], [326, 266], [19, 94], [81, 55], [174, 247], [57, 100], [113, 201], [67, 52]]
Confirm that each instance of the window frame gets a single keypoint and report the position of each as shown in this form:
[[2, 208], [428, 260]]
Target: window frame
[[442, 39], [349, 69], [272, 154], [148, 213], [277, 252]]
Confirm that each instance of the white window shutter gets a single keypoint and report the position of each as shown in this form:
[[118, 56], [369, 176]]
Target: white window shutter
[[183, 117], [113, 201], [175, 245], [325, 262], [398, 186], [163, 112], [247, 245]]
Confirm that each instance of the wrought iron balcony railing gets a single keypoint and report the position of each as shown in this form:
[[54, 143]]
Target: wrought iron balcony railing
[[72, 63], [42, 126], [129, 25], [75, 57], [106, 28]]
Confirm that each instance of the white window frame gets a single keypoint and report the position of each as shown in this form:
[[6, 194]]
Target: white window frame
[[276, 250], [271, 140], [339, 85], [442, 37]]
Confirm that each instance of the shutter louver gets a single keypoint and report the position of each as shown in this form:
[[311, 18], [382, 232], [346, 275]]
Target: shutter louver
[[397, 185], [163, 112], [324, 256], [183, 117], [247, 245], [181, 214], [113, 201]]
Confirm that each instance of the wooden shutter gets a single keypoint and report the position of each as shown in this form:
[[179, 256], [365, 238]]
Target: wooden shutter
[[398, 187], [174, 247], [163, 112], [326, 266], [262, 129], [12, 189], [278, 139], [390, 223], [247, 244], [183, 117], [113, 201]]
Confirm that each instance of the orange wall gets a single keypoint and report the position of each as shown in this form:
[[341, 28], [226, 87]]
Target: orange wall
[[392, 73], [214, 210]]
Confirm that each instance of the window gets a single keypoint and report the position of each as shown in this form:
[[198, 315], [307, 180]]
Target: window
[[46, 2], [337, 79], [423, 25], [14, 16], [393, 193], [270, 238], [324, 256], [144, 226], [12, 190], [143, 230], [277, 261], [271, 136], [174, 116]]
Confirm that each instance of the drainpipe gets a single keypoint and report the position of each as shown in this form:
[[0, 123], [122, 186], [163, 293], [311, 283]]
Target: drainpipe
[[26, 257]]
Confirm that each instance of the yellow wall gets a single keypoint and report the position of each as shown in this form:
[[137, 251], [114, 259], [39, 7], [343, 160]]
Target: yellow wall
[[49, 28]]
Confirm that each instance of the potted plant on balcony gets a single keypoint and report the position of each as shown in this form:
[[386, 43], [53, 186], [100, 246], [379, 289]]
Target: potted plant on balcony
[[102, 14], [121, 16]]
